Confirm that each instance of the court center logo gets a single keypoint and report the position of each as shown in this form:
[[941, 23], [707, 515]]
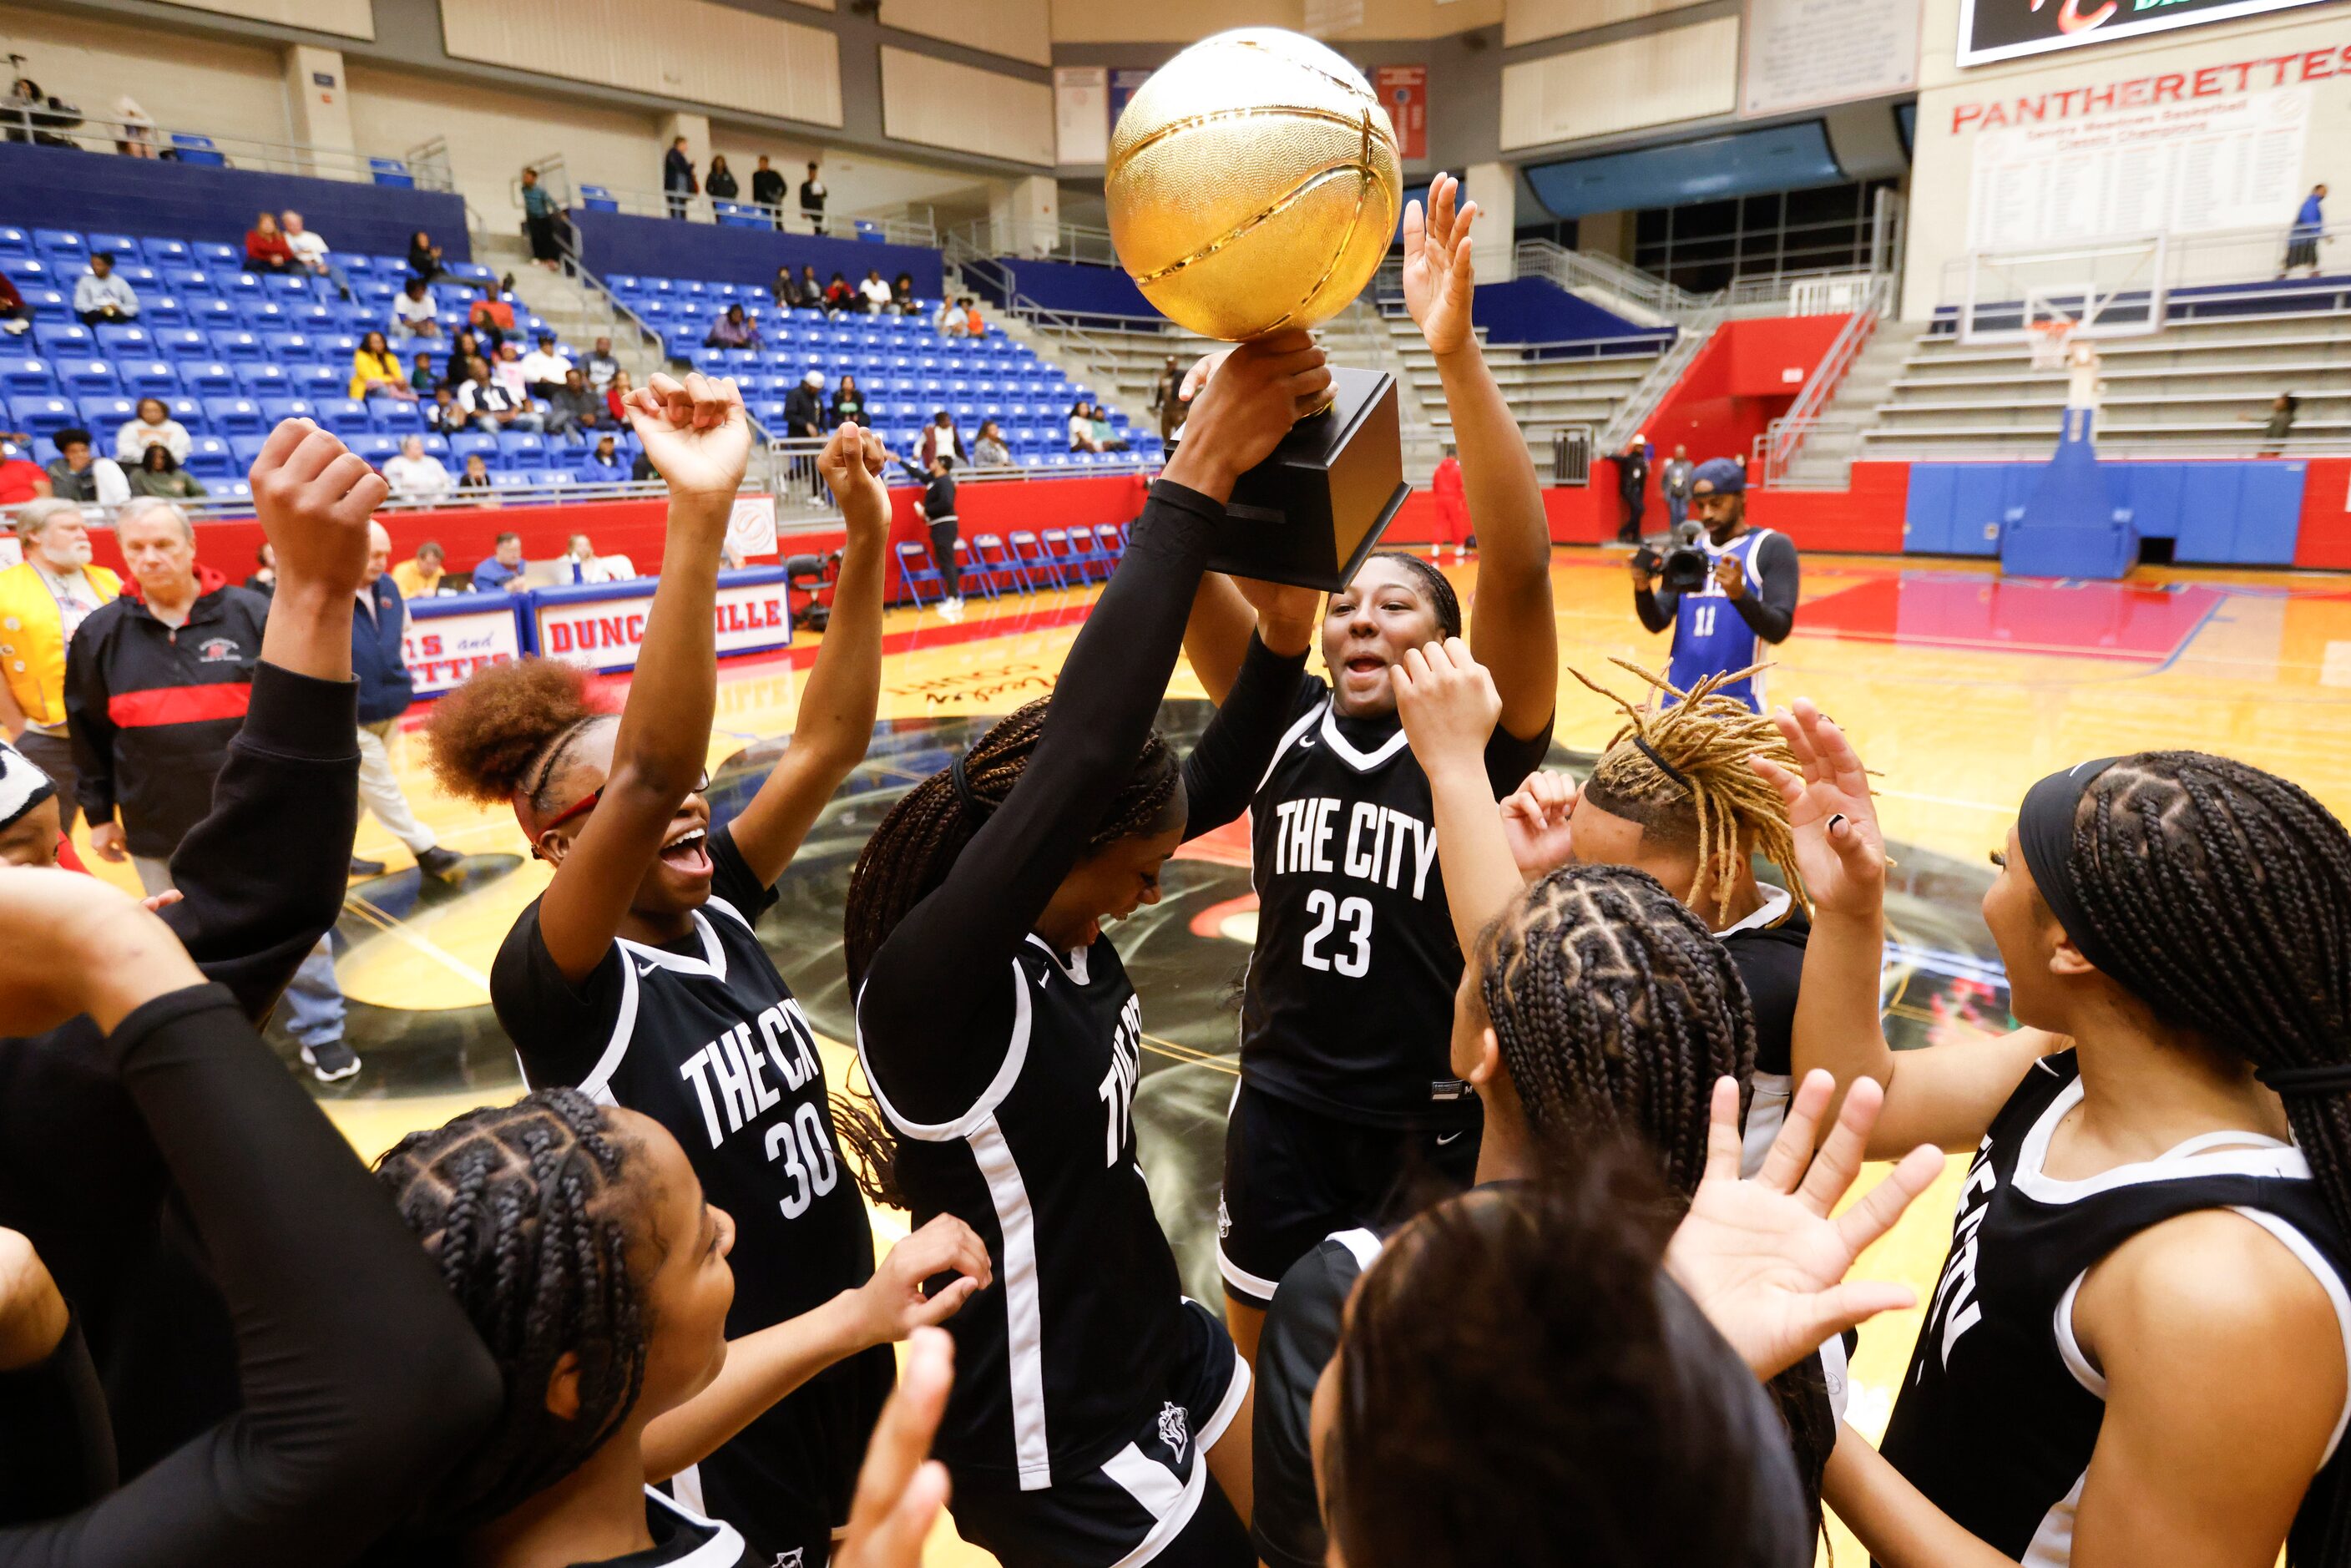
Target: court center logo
[[1175, 1429]]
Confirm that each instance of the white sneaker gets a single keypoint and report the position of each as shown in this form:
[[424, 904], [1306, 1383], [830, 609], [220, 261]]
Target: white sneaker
[[951, 609]]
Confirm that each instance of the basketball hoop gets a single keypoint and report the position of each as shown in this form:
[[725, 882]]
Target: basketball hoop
[[2050, 340]]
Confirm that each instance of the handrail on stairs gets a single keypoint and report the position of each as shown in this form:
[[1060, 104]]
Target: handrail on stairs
[[1787, 433]]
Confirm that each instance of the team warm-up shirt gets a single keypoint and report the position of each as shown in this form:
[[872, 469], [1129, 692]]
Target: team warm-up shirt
[[1714, 633], [1997, 1416], [705, 1038], [1348, 1009], [1767, 948]]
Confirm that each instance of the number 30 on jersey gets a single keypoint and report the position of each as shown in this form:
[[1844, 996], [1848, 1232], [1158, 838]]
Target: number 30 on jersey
[[1351, 953]]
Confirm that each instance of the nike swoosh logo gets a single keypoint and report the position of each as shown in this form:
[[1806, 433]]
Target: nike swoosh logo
[[1447, 1139], [644, 969]]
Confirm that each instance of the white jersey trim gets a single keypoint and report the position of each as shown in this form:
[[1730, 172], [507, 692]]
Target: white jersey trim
[[712, 965], [598, 1084], [1024, 1326], [1170, 1503], [723, 1550], [686, 1488], [724, 907], [1072, 964], [1296, 733], [1211, 1431], [1361, 761], [2052, 1545], [1240, 1281], [1365, 1244], [983, 1110], [1777, 902], [2254, 1155]]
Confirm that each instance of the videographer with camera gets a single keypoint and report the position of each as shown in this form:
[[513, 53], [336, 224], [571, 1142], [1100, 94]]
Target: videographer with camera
[[1716, 566]]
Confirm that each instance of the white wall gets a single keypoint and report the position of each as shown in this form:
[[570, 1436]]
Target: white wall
[[345, 18], [939, 103], [1019, 29], [225, 90], [1656, 78], [1188, 21], [1526, 21]]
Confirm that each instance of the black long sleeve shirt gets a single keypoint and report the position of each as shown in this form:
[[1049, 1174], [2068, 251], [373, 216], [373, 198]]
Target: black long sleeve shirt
[[1768, 608], [362, 1381], [263, 877]]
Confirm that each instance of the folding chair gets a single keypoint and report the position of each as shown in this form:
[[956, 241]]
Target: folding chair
[[915, 569], [1034, 562], [989, 556]]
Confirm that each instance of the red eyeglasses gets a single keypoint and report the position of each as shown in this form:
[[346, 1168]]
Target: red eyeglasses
[[588, 804]]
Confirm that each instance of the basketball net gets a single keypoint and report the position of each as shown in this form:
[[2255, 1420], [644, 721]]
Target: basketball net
[[2050, 342]]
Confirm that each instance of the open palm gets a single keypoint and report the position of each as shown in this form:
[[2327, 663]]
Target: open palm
[[1766, 1258], [696, 435], [1438, 279], [1840, 851]]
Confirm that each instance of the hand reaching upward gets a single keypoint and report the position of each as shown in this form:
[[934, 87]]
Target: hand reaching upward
[[695, 433], [1840, 853], [853, 463], [1438, 278]]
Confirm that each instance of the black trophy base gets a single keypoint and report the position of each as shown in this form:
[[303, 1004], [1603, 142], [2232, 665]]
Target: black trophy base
[[1311, 513]]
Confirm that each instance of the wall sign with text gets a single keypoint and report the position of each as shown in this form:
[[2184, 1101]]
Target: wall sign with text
[[602, 625], [2004, 29], [1807, 54], [1403, 91]]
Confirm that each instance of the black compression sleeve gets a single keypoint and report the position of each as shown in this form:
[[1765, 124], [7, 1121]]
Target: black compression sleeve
[[944, 963], [362, 1382], [56, 1445], [1655, 606], [1224, 769], [1770, 610]]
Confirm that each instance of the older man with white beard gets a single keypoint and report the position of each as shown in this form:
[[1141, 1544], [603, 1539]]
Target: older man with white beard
[[43, 601]]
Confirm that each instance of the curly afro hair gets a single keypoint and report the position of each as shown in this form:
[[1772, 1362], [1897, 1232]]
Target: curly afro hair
[[504, 729]]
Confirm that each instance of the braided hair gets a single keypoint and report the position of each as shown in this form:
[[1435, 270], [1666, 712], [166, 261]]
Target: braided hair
[[2222, 897], [1718, 801], [1616, 1010], [912, 851], [522, 1208]]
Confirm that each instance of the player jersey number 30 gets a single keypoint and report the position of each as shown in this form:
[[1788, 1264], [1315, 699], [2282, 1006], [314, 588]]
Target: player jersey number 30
[[730, 1076]]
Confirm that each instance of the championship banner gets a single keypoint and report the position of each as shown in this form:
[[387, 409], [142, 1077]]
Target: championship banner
[[602, 625], [1403, 91], [1125, 81], [2004, 29], [452, 635]]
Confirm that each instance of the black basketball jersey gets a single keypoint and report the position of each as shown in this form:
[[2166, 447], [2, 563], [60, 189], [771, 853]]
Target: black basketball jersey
[[704, 1037], [1999, 1413], [1059, 1364], [1768, 948], [1348, 1007]]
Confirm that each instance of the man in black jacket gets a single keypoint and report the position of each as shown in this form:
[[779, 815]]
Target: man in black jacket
[[812, 195], [677, 177], [262, 878], [804, 421], [767, 190]]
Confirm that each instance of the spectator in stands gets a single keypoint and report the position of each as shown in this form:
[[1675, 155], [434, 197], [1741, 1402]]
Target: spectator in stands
[[1166, 398], [1452, 505], [875, 293], [477, 475], [506, 367], [600, 366], [545, 367], [1106, 435], [425, 258], [848, 404], [1674, 485], [2277, 424], [492, 317], [940, 436], [677, 177], [79, 474], [101, 297], [804, 408], [415, 473], [491, 405], [1633, 486], [785, 291], [538, 221], [137, 128], [987, 448], [263, 577], [154, 427], [937, 510], [422, 377], [23, 112], [734, 330], [44, 599], [160, 473], [767, 190], [1081, 427], [812, 195], [2302, 240], [839, 299], [375, 372], [811, 291], [975, 325], [413, 314], [443, 413], [385, 690], [420, 576], [311, 253], [949, 321], [573, 408], [642, 469], [504, 570], [720, 183], [902, 295], [21, 478], [461, 355], [265, 249], [16, 315], [586, 566], [605, 465], [616, 397]]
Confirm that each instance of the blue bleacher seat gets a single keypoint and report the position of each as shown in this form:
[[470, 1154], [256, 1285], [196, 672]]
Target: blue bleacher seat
[[103, 416], [214, 256], [209, 458], [66, 339], [554, 477], [314, 318], [187, 410], [391, 171], [208, 378], [187, 281], [275, 409], [62, 245], [316, 381], [287, 284], [466, 442], [289, 349], [377, 449], [118, 341], [88, 378], [231, 490], [210, 313], [511, 480], [264, 380], [147, 378], [521, 448], [597, 199], [189, 147], [48, 304], [343, 415], [183, 343], [41, 416], [394, 417], [164, 252], [239, 347], [235, 416], [245, 450], [14, 241], [141, 278], [161, 310], [29, 272]]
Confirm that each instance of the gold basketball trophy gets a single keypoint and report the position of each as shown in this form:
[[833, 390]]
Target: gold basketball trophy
[[1253, 186]]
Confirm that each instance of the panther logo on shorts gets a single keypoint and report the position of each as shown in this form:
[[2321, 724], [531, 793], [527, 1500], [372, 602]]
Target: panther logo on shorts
[[1224, 1218], [792, 1559], [1174, 1429]]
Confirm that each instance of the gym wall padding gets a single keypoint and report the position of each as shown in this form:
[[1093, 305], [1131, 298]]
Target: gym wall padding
[[2246, 513], [666, 247]]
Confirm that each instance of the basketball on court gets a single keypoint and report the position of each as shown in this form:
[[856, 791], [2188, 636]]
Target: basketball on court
[[1253, 184]]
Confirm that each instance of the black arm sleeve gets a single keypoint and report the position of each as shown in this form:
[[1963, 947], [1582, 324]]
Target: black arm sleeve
[[57, 1444], [1655, 606], [263, 874], [1301, 1334], [924, 993], [89, 723], [362, 1381], [1224, 769], [1770, 610]]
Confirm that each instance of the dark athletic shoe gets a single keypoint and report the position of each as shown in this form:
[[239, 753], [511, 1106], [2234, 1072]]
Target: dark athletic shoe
[[331, 1061], [366, 868], [438, 862]]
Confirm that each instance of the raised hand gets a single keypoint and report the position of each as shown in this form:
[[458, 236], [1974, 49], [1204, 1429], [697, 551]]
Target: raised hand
[[1287, 616], [695, 433], [1246, 407], [1840, 853], [71, 944], [1535, 819], [315, 498], [900, 1487], [33, 1316], [1438, 278], [853, 463], [1195, 378], [1448, 702], [1766, 1258], [892, 1303]]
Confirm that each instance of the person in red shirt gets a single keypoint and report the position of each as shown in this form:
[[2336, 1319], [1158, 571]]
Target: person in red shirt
[[21, 478], [1452, 505], [265, 249]]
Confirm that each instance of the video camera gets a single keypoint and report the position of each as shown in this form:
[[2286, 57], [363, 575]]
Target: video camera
[[1684, 566]]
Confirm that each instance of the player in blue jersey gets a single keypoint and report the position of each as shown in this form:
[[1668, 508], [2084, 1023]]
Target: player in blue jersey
[[1749, 598]]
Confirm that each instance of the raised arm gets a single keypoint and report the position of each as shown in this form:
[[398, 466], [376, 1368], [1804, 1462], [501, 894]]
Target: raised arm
[[1946, 1096], [1217, 634], [699, 439], [1511, 627], [1230, 762], [1449, 706], [844, 686]]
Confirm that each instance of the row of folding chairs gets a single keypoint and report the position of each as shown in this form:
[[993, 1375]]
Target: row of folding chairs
[[1026, 560]]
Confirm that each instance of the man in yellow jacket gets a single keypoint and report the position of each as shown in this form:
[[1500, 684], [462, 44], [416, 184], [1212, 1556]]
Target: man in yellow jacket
[[42, 601]]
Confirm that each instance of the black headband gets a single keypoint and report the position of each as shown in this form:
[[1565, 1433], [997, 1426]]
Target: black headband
[[964, 791], [2044, 832], [1664, 767]]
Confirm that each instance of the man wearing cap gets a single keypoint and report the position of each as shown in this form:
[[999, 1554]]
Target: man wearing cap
[[44, 600], [1749, 599], [1633, 486]]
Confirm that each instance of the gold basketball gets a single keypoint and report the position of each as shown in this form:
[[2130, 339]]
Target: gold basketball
[[1253, 184]]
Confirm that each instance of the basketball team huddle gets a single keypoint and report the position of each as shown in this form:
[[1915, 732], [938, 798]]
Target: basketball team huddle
[[1534, 1227]]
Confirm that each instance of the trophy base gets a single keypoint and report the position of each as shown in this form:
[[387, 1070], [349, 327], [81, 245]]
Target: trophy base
[[1309, 514]]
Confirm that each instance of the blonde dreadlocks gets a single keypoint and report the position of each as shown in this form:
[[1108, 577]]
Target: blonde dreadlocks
[[1683, 772]]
